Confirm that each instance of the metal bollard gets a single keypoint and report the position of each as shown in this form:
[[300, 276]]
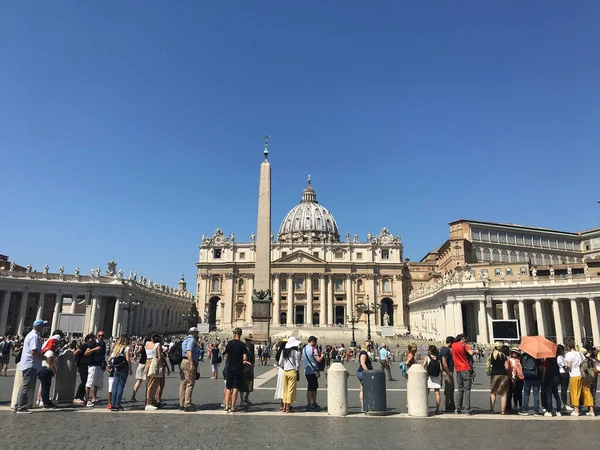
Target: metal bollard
[[337, 390], [416, 391], [374, 392]]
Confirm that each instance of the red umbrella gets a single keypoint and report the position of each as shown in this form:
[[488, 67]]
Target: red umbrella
[[538, 346]]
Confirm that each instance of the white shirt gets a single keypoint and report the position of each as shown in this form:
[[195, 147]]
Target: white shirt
[[48, 354], [561, 363], [291, 363], [575, 358]]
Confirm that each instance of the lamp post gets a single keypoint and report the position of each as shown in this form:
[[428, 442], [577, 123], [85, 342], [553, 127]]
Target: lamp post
[[368, 311], [129, 305], [353, 320]]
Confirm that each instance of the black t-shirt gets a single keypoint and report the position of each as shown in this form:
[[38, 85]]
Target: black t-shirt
[[235, 352], [368, 362], [83, 360], [498, 364], [445, 352], [96, 358], [143, 355]]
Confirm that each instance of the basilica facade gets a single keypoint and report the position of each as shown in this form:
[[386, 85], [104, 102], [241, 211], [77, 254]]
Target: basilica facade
[[318, 278]]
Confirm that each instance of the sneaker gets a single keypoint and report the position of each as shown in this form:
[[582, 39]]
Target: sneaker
[[90, 404], [109, 406], [190, 408], [568, 408], [150, 408], [23, 411], [538, 413], [548, 414], [591, 413], [523, 413], [114, 409], [78, 401], [457, 411]]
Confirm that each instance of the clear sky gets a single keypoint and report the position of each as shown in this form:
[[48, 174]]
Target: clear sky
[[129, 128]]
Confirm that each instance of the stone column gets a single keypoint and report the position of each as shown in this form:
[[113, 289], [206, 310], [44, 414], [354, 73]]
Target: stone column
[[558, 321], [483, 322], [539, 315], [40, 305], [116, 318], [594, 321], [349, 297], [458, 320], [523, 324], [57, 310], [249, 304], [22, 313], [290, 299], [276, 299], [309, 300], [5, 298], [576, 323], [73, 303], [94, 314], [330, 299], [322, 302], [505, 314]]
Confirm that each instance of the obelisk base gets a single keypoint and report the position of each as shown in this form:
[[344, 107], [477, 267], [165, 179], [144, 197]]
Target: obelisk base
[[261, 316]]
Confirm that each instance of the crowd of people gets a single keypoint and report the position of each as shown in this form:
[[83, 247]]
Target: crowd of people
[[515, 376]]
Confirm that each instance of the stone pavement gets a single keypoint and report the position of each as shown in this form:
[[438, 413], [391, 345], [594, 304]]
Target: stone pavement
[[258, 427]]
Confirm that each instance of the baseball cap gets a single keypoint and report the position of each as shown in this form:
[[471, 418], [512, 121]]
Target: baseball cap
[[193, 329], [39, 322], [237, 331]]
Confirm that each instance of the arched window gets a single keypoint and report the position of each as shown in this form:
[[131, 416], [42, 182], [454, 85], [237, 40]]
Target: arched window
[[359, 285], [504, 256], [283, 318], [495, 255], [512, 257], [487, 256], [241, 284], [315, 318], [478, 254], [215, 284]]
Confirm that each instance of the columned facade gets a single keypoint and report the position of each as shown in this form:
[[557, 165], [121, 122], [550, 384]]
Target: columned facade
[[88, 303]]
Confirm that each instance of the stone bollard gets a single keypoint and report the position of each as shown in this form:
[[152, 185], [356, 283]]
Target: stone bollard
[[416, 391], [65, 381], [337, 390]]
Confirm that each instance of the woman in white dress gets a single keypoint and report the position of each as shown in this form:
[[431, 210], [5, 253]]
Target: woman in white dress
[[279, 388], [433, 366]]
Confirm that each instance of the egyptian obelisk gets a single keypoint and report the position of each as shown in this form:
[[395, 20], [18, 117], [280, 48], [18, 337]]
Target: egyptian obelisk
[[261, 298]]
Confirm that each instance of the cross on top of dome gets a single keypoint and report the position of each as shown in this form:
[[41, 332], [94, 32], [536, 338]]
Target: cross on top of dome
[[309, 194]]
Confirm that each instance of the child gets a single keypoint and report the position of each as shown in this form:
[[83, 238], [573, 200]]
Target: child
[[516, 377]]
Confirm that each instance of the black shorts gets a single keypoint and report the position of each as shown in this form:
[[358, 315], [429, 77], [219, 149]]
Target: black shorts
[[235, 379], [313, 382]]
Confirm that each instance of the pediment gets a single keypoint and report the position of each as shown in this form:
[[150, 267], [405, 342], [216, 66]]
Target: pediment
[[299, 257]]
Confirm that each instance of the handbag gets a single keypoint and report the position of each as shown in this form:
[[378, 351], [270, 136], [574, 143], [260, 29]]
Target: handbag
[[316, 371], [154, 369]]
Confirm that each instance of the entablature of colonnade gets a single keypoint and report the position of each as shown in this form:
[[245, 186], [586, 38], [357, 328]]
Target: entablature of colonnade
[[536, 289], [111, 284]]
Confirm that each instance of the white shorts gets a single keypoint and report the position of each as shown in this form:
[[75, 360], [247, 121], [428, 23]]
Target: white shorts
[[95, 377], [111, 380], [140, 372]]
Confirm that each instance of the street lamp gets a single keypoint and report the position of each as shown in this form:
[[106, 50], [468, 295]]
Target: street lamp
[[368, 311], [353, 320], [129, 305]]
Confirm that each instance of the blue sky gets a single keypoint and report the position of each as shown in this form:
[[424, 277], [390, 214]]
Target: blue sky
[[127, 129]]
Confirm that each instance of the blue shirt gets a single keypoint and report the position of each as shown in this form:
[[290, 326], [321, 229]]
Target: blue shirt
[[32, 342], [383, 354], [308, 353], [189, 343]]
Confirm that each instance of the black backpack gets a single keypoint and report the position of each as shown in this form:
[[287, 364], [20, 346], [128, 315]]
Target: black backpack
[[434, 368], [175, 355], [530, 369]]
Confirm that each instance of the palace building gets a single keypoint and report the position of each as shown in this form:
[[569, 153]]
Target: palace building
[[547, 280], [318, 279]]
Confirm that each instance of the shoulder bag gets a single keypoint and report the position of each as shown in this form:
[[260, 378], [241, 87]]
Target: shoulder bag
[[316, 371]]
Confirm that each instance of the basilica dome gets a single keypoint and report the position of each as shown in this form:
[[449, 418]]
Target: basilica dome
[[309, 221]]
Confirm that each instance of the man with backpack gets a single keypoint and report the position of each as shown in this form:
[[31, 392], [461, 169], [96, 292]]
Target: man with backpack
[[532, 374], [448, 374], [6, 345], [187, 354]]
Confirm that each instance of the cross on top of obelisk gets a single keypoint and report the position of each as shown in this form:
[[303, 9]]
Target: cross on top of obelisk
[[266, 138]]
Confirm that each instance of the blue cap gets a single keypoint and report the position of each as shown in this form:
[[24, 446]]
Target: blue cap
[[39, 322]]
